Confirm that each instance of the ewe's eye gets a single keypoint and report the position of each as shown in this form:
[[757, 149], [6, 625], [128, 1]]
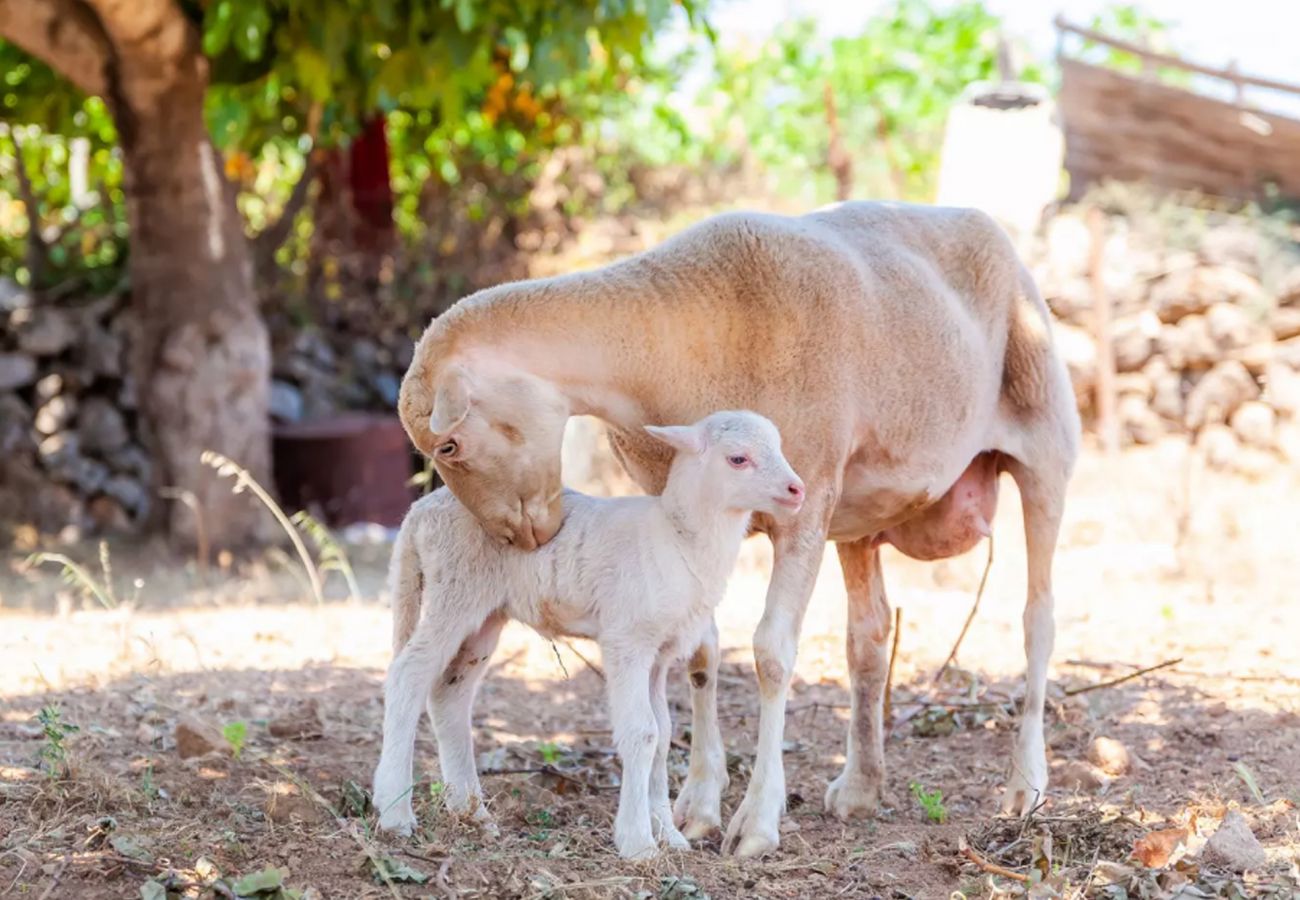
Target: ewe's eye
[[448, 450], [738, 461]]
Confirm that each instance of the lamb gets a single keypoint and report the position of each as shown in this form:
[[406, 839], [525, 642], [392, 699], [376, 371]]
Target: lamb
[[640, 575]]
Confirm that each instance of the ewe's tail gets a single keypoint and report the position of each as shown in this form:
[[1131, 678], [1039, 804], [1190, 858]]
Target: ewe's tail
[[406, 582]]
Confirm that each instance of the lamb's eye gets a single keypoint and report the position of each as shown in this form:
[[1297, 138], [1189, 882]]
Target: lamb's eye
[[448, 449], [739, 461]]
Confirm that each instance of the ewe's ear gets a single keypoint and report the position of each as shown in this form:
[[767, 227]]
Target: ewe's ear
[[683, 438], [451, 401]]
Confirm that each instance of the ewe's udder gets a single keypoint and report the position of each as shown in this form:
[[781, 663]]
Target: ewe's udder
[[956, 523]]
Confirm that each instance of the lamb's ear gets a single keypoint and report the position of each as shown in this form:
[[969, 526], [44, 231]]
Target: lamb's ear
[[451, 401], [683, 438]]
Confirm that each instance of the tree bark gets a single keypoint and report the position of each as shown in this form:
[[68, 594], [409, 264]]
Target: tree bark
[[201, 353]]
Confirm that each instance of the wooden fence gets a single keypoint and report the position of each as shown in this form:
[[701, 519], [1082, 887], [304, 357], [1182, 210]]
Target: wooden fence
[[1138, 129]]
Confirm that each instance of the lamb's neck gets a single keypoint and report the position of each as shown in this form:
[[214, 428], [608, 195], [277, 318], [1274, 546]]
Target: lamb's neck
[[709, 538], [602, 337]]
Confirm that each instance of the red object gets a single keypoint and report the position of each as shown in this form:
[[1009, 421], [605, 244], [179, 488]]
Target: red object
[[368, 176], [352, 467]]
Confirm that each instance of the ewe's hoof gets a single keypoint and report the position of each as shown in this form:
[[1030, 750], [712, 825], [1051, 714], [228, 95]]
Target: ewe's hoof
[[851, 797]]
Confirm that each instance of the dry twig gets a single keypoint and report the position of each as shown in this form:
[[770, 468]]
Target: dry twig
[[889, 673], [991, 868], [1123, 678], [979, 593]]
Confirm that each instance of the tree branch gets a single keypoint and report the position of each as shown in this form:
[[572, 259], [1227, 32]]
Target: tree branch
[[37, 251], [65, 35]]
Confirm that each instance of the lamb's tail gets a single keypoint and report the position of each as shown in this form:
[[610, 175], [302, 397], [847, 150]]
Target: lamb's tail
[[406, 583]]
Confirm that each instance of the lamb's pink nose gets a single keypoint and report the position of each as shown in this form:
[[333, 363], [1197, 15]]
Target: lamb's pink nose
[[795, 490]]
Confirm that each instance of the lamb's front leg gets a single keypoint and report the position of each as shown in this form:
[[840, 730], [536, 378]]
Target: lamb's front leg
[[661, 813], [632, 717], [409, 680], [698, 809], [755, 827]]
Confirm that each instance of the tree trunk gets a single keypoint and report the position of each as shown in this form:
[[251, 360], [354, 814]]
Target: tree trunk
[[201, 355]]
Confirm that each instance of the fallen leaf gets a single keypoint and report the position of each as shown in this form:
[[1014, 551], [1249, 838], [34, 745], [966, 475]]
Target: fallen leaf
[[127, 845], [152, 890], [269, 879], [385, 868], [1155, 849]]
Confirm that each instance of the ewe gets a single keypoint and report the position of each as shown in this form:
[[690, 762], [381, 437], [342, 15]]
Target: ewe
[[640, 575]]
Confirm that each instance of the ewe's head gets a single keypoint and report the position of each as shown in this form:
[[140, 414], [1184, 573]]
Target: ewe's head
[[495, 440], [734, 458]]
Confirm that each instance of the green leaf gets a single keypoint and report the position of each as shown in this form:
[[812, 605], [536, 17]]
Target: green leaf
[[152, 890], [217, 24], [129, 846], [385, 868], [465, 14], [235, 734], [265, 881], [312, 71]]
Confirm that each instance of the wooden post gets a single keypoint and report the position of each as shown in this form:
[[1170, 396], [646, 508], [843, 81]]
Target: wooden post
[[1107, 427]]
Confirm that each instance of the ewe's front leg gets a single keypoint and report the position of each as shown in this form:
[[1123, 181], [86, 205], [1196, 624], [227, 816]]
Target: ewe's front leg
[[857, 790], [755, 828], [636, 736], [1042, 494], [698, 809]]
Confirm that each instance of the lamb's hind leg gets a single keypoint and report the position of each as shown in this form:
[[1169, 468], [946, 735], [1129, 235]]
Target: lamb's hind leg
[[857, 790], [410, 678], [1042, 492], [661, 814], [698, 809], [451, 708]]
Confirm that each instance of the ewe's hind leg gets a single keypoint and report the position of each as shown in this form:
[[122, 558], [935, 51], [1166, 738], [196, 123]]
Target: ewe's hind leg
[[661, 813], [1042, 492], [451, 708], [857, 790], [698, 810], [636, 736], [410, 677]]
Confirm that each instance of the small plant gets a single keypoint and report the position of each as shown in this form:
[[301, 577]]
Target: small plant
[[235, 734], [332, 556], [931, 802], [550, 752], [76, 575], [244, 480], [53, 753], [543, 820]]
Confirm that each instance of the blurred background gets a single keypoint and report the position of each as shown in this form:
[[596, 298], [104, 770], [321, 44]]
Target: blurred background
[[224, 223]]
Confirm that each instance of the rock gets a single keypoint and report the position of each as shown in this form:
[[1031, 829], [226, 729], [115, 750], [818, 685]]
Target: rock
[[1255, 424], [56, 414], [16, 370], [127, 491], [1110, 756], [107, 514], [1077, 775], [49, 387], [1218, 394], [1133, 340], [1288, 352], [1282, 389], [1254, 463], [1219, 445], [47, 332], [1231, 327], [1070, 300], [1138, 421], [101, 352], [13, 296], [300, 724], [1133, 384], [128, 397], [1234, 246], [1069, 245], [288, 805], [1234, 846], [87, 475], [286, 402], [1189, 292], [387, 386], [131, 460], [1285, 322], [1079, 352], [101, 426], [1166, 390], [59, 449], [1288, 293], [15, 425], [194, 737], [1288, 441], [1255, 358], [1198, 348], [403, 351]]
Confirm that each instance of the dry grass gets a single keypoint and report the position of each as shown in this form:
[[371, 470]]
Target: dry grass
[[252, 649]]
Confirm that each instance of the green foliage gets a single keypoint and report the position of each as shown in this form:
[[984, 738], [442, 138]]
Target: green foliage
[[1129, 23], [893, 84], [53, 754], [931, 803], [235, 733]]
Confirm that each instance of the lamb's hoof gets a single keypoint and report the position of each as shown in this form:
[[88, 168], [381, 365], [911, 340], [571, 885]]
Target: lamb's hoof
[[401, 824], [699, 829], [851, 797], [748, 836], [1021, 796], [675, 839], [639, 847]]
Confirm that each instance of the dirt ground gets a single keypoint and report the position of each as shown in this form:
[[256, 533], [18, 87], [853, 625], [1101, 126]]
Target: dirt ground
[[121, 814]]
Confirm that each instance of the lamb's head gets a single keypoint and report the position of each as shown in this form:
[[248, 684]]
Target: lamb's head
[[495, 439], [735, 459]]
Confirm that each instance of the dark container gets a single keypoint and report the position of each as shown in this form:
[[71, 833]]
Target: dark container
[[353, 467]]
